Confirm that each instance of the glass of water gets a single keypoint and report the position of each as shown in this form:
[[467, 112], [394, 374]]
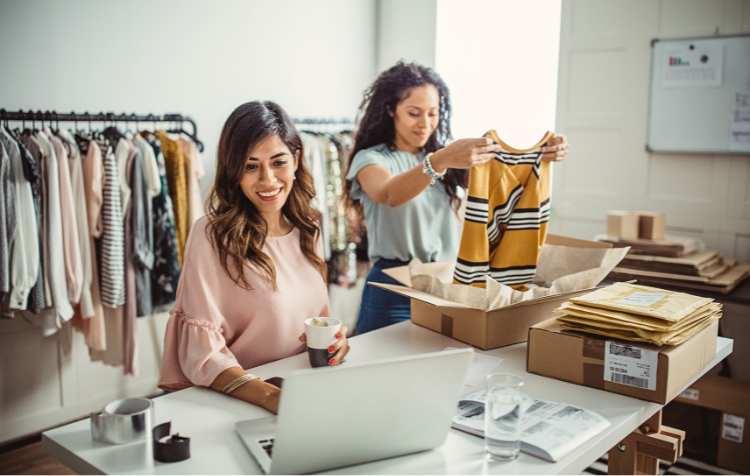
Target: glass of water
[[502, 416]]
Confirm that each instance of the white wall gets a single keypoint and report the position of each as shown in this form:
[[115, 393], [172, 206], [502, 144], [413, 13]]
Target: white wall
[[200, 58], [406, 30], [499, 59], [603, 96]]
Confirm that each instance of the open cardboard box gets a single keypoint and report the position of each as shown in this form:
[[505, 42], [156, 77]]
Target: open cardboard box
[[484, 329]]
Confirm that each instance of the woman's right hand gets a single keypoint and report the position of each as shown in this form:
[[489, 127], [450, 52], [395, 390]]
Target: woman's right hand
[[464, 154]]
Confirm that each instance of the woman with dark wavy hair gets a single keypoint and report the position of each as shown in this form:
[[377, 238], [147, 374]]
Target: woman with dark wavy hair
[[401, 149], [253, 269]]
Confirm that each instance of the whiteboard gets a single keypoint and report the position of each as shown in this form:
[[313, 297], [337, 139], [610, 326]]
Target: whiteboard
[[694, 104]]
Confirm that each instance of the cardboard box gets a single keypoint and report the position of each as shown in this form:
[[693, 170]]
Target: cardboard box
[[732, 398], [579, 358], [652, 225], [483, 329], [623, 225]]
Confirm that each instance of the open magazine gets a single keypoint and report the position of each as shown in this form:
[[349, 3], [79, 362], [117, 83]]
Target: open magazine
[[549, 430]]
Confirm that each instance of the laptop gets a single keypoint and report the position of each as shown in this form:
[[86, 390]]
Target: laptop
[[359, 412]]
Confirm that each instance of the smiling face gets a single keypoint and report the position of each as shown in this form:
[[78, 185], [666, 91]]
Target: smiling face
[[416, 118], [269, 176]]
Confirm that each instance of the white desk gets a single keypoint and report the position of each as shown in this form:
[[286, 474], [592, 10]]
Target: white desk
[[208, 417]]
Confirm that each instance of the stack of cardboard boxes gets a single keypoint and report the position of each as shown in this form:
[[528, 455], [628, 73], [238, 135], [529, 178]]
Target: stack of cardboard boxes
[[658, 259]]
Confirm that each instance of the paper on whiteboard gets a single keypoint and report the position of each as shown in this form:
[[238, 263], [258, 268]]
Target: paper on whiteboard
[[693, 66], [480, 368], [740, 135]]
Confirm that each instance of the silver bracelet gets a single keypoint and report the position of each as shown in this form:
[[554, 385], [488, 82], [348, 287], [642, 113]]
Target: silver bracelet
[[429, 170], [238, 382]]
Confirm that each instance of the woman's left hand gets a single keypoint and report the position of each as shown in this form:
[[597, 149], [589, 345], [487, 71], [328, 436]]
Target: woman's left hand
[[555, 150], [341, 346]]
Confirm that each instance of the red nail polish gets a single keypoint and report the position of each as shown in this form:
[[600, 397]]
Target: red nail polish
[[332, 361], [331, 349], [338, 336]]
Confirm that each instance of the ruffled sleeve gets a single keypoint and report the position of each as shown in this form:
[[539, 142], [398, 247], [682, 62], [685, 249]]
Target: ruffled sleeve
[[195, 350]]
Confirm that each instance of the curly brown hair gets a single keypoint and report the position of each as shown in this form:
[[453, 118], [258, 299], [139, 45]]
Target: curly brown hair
[[237, 229], [376, 126]]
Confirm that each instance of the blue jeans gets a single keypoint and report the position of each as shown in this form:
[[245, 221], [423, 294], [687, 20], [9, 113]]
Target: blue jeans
[[381, 308]]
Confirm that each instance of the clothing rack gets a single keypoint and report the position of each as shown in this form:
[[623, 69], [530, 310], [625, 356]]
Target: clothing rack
[[108, 117], [343, 121]]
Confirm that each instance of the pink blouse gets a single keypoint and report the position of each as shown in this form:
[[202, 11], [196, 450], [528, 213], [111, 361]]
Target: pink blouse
[[215, 324]]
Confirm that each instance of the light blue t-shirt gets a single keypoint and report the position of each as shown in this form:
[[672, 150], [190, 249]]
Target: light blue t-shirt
[[426, 227]]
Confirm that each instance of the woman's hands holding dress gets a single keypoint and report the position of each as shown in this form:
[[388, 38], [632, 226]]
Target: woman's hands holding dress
[[555, 150], [464, 154], [341, 346]]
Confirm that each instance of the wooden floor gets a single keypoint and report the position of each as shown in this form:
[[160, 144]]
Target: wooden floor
[[31, 459]]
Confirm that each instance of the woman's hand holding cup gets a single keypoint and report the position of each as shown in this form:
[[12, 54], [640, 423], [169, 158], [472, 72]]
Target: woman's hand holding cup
[[326, 341]]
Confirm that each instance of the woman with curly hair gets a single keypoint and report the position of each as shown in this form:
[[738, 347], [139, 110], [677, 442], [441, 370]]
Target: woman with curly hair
[[253, 269], [403, 143]]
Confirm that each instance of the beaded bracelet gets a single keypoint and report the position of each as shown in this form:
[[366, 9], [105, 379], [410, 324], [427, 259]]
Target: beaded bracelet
[[429, 170]]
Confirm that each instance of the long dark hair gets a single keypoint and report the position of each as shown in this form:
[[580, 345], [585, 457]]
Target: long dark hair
[[376, 124], [237, 229]]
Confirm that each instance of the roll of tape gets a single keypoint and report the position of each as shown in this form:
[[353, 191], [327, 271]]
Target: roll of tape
[[123, 421], [169, 448]]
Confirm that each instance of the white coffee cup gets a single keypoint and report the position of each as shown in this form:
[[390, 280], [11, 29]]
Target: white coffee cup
[[319, 339]]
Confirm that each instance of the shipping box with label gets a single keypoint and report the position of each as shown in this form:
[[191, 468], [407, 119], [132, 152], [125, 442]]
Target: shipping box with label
[[636, 369], [732, 398], [484, 329]]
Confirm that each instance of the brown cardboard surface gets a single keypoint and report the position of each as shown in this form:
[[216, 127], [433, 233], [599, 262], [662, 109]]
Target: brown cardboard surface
[[623, 225], [652, 225], [579, 358], [487, 329], [730, 396], [720, 393]]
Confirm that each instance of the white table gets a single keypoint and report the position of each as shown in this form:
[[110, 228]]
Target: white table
[[208, 417]]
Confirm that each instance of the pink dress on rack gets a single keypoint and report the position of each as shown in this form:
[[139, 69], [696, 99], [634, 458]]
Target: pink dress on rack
[[215, 324]]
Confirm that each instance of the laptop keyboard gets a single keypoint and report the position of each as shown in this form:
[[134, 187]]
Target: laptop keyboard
[[267, 445]]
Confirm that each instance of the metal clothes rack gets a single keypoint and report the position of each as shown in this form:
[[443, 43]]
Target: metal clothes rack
[[322, 121], [308, 121], [107, 118]]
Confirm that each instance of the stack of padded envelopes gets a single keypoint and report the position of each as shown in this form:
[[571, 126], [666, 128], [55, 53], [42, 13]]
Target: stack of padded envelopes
[[639, 313]]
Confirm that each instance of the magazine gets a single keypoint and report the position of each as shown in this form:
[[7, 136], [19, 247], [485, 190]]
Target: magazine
[[549, 430]]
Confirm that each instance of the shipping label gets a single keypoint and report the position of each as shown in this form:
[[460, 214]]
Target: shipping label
[[732, 428], [630, 365], [642, 299], [690, 394]]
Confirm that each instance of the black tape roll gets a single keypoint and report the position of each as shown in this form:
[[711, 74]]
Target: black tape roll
[[176, 448]]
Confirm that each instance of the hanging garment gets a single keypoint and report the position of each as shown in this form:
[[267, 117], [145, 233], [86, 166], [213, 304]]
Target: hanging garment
[[166, 271], [72, 253], [142, 229], [75, 165], [150, 166], [193, 172], [174, 160], [31, 170], [60, 311], [130, 346], [316, 163], [21, 226], [7, 230], [506, 217], [112, 241], [93, 328]]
